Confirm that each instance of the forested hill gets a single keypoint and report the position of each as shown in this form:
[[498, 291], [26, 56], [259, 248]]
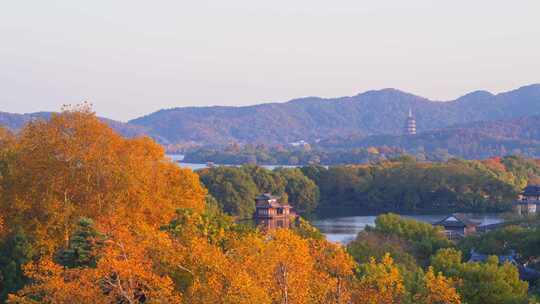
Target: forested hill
[[369, 113], [471, 141], [373, 113], [17, 121]]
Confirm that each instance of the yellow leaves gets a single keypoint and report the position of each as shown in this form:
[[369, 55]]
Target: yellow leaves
[[51, 283], [332, 258], [381, 283], [274, 268], [125, 273], [219, 278], [335, 267], [291, 265], [439, 289]]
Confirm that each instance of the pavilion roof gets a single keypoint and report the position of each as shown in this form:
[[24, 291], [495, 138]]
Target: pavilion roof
[[456, 220]]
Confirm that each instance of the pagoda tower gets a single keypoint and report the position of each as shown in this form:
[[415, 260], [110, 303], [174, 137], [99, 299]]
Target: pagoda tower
[[410, 125]]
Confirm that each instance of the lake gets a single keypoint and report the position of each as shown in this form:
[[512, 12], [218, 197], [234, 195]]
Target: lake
[[177, 158], [344, 229]]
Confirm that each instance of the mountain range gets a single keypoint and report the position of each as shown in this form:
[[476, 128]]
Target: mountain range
[[372, 117], [312, 118]]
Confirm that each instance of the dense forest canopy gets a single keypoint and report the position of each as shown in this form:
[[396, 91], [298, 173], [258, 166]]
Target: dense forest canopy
[[87, 216], [401, 184]]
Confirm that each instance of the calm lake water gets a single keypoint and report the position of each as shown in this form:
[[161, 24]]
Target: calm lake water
[[195, 166], [345, 229]]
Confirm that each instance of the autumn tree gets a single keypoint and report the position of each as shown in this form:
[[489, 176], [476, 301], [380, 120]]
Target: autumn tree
[[209, 275], [438, 290], [6, 144], [52, 283], [290, 263], [74, 166], [124, 273], [336, 272], [380, 283]]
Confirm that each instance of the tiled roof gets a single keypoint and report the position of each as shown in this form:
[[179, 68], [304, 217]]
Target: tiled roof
[[267, 196], [268, 200], [456, 220], [268, 204], [478, 257], [525, 273]]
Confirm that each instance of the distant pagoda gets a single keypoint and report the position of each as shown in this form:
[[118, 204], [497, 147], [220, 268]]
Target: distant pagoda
[[410, 126]]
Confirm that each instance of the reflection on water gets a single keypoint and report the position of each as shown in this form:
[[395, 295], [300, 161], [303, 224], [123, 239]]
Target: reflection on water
[[345, 229]]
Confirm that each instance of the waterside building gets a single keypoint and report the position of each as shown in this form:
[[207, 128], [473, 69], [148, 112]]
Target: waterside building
[[457, 226], [528, 200], [270, 213]]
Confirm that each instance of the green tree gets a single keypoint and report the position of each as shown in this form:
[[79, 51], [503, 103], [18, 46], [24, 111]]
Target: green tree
[[83, 246], [373, 244], [302, 192], [482, 283], [267, 181], [233, 188], [15, 251], [425, 238]]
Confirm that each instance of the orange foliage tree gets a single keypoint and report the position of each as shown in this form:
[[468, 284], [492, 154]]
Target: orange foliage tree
[[75, 166], [438, 290], [125, 273], [381, 283], [335, 272]]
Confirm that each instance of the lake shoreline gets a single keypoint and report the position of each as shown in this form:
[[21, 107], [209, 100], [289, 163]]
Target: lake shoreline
[[351, 212], [345, 228]]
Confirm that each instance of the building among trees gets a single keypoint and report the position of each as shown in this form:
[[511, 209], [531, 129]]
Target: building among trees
[[410, 125], [526, 273], [271, 213], [457, 226], [528, 200]]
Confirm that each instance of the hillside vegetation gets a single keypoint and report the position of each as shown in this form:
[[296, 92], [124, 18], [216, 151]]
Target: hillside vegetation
[[88, 216], [477, 125], [369, 113]]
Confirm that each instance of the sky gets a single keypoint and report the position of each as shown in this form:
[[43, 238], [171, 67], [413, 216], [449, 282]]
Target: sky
[[130, 58]]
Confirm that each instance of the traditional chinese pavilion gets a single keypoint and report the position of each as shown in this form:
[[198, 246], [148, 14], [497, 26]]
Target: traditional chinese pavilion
[[271, 213], [528, 200], [457, 226]]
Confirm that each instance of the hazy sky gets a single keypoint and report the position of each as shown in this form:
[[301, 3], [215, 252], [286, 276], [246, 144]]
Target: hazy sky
[[133, 57]]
